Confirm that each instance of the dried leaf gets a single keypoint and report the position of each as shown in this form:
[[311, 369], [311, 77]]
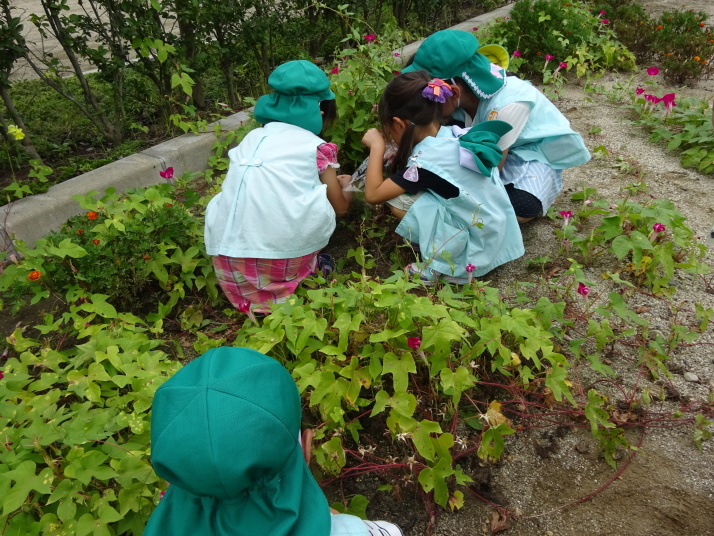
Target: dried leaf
[[499, 522], [494, 415]]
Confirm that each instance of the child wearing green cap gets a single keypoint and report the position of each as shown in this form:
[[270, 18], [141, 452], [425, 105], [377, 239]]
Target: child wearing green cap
[[541, 143], [444, 185], [277, 205], [225, 433]]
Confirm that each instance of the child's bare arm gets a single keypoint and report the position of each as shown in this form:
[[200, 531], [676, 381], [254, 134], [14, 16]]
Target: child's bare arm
[[339, 199], [376, 189]]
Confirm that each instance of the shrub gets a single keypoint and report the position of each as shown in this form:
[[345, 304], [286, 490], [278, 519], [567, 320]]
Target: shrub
[[569, 32]]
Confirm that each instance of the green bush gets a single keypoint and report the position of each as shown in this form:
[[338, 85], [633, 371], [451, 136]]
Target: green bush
[[125, 247], [679, 42], [571, 33]]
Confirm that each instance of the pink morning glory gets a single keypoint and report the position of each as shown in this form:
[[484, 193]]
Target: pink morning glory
[[475, 28], [168, 173], [396, 54], [583, 290], [652, 71], [517, 54], [639, 90], [603, 12], [469, 269], [414, 342], [669, 103], [335, 69], [567, 215], [563, 65], [604, 21], [659, 228], [370, 37]]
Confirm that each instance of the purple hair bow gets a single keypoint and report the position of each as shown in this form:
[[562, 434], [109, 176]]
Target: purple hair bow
[[437, 90]]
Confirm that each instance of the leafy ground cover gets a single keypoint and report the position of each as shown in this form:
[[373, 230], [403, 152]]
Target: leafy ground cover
[[426, 400]]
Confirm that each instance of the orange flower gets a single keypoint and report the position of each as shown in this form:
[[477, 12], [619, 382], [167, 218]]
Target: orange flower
[[669, 53], [34, 275], [660, 27], [641, 22], [701, 25], [146, 257], [704, 62], [567, 4], [92, 215], [697, 58], [80, 232], [95, 242]]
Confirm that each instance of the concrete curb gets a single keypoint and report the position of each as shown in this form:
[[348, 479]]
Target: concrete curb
[[33, 217]]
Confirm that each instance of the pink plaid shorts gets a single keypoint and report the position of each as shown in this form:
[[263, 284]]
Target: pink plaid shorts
[[262, 281]]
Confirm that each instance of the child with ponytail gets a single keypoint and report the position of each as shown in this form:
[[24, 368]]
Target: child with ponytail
[[444, 184]]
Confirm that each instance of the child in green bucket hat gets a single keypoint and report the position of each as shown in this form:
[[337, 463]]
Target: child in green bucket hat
[[225, 433], [541, 143], [277, 205]]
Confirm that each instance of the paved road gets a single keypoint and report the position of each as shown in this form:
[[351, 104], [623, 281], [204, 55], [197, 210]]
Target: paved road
[[23, 9]]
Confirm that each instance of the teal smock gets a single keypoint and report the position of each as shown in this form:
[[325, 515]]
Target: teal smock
[[272, 204], [546, 136], [447, 225]]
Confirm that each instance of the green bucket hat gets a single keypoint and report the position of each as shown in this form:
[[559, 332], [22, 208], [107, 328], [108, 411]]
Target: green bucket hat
[[454, 53], [299, 87], [224, 434]]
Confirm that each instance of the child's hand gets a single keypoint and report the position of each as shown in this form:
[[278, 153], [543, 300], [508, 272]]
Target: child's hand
[[344, 180], [373, 138]]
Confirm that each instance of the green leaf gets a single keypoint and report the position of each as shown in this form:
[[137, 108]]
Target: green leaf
[[399, 368], [492, 443]]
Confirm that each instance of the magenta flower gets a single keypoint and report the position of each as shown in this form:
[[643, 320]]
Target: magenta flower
[[669, 103], [469, 269], [652, 71], [583, 290], [475, 28], [567, 215], [563, 65], [161, 495], [548, 57], [335, 69], [1, 375], [639, 90], [603, 12], [659, 228], [414, 342], [244, 307], [604, 21], [370, 37], [167, 174], [517, 54], [396, 54]]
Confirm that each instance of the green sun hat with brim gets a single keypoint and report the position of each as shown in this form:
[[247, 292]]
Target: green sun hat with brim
[[454, 53], [298, 86], [224, 434]]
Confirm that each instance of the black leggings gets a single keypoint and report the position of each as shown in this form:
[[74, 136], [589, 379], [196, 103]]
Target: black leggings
[[525, 204]]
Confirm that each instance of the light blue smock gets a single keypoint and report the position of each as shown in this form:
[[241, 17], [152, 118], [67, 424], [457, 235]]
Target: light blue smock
[[440, 225], [272, 204], [546, 136]]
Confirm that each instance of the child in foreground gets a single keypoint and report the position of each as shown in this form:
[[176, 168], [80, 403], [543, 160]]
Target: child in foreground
[[225, 433], [277, 206], [444, 183]]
